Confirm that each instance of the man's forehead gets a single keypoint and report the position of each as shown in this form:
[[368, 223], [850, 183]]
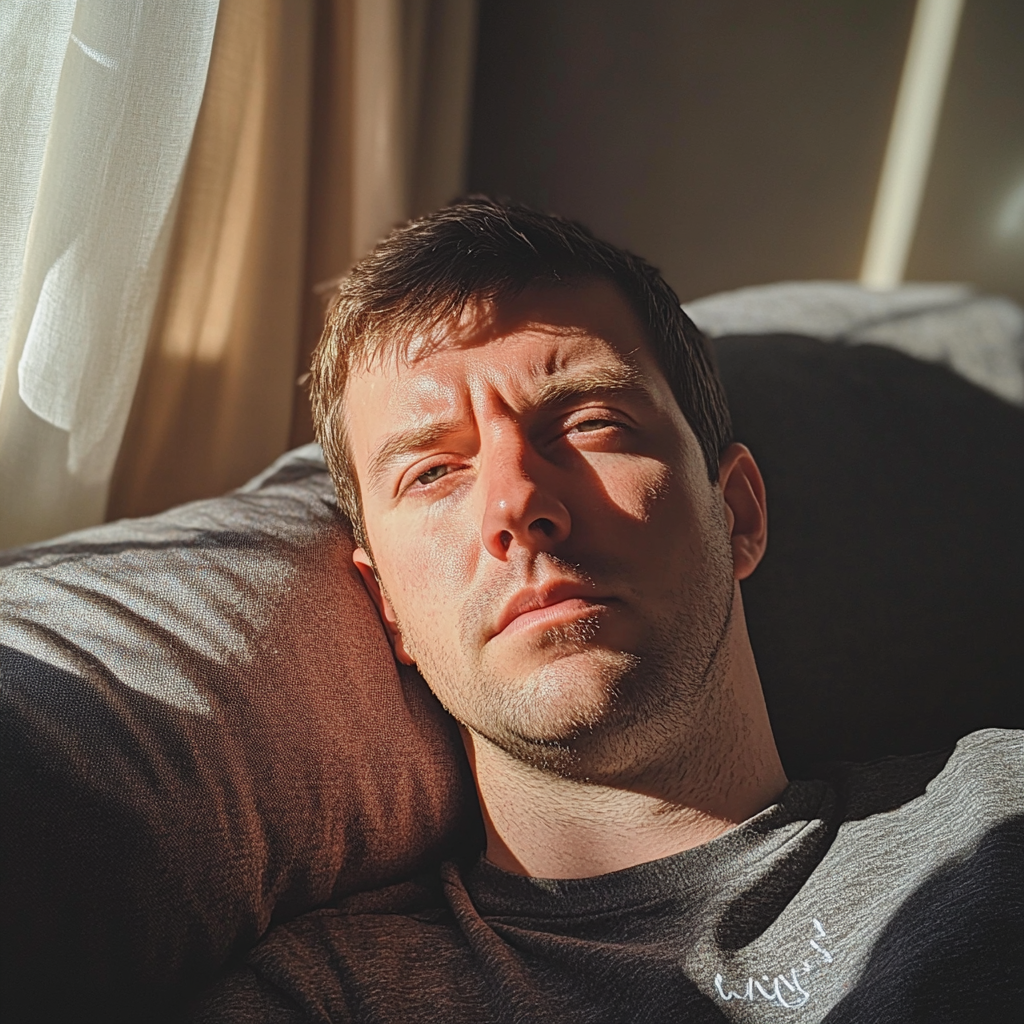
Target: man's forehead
[[528, 365], [538, 335]]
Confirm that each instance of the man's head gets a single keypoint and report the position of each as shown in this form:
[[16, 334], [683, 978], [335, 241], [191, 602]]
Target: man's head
[[529, 437], [426, 272]]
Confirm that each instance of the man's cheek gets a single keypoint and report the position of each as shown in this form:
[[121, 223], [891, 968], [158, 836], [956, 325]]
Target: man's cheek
[[424, 606], [450, 541], [635, 489]]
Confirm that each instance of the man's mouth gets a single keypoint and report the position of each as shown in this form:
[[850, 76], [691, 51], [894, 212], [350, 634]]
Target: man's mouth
[[541, 608]]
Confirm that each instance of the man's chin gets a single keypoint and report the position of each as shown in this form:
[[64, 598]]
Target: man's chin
[[541, 718]]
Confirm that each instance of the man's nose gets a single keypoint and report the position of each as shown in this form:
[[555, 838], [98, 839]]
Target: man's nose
[[521, 506]]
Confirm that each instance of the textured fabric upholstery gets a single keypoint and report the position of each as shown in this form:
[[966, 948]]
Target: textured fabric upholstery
[[887, 614], [202, 731]]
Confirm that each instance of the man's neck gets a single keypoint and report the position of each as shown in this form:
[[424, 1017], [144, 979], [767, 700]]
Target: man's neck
[[548, 826]]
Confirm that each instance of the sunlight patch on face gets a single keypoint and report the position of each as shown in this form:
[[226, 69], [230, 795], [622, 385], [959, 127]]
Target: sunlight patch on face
[[562, 701]]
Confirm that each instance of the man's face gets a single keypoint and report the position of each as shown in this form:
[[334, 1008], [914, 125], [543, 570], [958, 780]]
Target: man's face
[[551, 552]]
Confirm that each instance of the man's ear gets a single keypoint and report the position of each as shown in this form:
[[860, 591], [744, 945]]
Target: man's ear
[[742, 489], [387, 613]]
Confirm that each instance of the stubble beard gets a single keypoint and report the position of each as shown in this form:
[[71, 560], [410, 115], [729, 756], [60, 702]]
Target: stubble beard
[[650, 704]]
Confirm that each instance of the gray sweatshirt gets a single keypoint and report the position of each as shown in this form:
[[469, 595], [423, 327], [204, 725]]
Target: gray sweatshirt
[[890, 891]]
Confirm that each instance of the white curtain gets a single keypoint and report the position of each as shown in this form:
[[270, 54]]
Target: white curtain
[[98, 103]]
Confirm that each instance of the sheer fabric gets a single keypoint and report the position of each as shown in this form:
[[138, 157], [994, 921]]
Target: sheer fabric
[[99, 103]]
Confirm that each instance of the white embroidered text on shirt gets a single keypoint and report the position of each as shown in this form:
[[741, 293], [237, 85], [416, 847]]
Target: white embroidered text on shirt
[[785, 990]]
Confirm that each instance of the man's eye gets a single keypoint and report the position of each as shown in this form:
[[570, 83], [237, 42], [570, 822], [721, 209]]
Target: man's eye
[[589, 425], [432, 474]]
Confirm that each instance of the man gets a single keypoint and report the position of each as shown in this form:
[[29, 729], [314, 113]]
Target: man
[[530, 440]]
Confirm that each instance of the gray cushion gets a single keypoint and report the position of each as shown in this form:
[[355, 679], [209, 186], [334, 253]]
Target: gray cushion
[[981, 337], [202, 731]]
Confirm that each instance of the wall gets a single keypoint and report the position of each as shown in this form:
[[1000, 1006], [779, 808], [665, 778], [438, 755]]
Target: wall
[[739, 142], [972, 218]]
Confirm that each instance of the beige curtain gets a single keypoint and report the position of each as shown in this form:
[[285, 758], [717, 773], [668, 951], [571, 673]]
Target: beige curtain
[[323, 124]]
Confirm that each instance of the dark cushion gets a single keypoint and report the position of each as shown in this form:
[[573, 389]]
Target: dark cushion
[[203, 731], [888, 613]]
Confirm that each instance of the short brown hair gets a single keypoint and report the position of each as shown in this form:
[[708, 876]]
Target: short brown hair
[[426, 271]]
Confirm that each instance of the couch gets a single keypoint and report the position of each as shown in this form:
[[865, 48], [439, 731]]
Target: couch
[[203, 731]]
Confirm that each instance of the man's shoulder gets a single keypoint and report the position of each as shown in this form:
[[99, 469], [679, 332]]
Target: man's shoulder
[[964, 789], [925, 881]]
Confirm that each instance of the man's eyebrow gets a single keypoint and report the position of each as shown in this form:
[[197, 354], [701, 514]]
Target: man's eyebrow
[[560, 388], [405, 442]]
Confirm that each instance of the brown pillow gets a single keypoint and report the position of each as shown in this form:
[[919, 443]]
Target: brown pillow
[[203, 731]]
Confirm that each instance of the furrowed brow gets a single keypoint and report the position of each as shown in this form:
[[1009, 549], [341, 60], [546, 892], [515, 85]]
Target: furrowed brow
[[558, 389], [405, 442]]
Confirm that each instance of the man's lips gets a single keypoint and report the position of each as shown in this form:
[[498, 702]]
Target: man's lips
[[545, 607]]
